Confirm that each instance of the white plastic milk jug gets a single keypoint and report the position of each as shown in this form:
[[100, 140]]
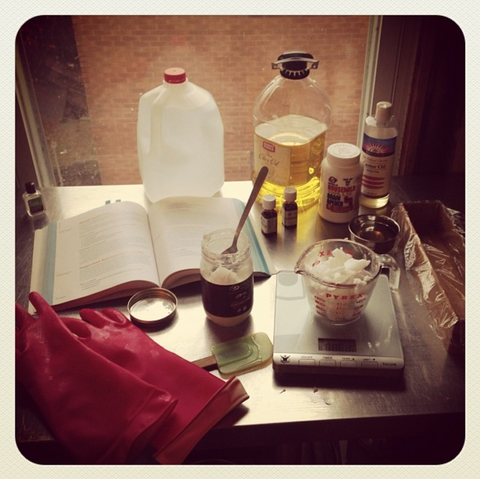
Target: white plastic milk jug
[[179, 139]]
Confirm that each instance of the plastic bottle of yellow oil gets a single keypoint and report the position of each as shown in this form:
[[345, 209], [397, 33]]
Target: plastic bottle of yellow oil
[[291, 117]]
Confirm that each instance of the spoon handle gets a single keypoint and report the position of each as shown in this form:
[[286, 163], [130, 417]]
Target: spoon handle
[[262, 174]]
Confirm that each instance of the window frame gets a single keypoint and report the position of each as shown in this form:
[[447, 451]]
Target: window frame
[[387, 76]]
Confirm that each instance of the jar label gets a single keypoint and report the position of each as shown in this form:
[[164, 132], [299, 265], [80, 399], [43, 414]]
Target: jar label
[[377, 159], [227, 300]]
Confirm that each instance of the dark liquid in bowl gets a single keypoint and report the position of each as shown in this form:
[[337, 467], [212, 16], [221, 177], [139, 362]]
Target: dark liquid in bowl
[[379, 232]]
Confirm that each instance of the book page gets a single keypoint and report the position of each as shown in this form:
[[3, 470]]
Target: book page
[[99, 250], [178, 226]]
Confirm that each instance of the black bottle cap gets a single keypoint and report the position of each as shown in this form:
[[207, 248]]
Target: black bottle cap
[[30, 187], [294, 64]]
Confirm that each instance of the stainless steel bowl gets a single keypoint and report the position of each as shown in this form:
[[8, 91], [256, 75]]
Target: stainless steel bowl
[[377, 232]]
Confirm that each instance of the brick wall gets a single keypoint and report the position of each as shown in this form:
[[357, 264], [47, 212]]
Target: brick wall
[[122, 57]]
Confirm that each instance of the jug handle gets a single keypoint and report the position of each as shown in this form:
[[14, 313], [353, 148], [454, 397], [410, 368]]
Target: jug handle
[[393, 269]]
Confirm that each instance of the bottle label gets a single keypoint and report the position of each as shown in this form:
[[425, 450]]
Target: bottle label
[[227, 300], [35, 205], [289, 216], [289, 158], [276, 157], [377, 159], [342, 195], [269, 224]]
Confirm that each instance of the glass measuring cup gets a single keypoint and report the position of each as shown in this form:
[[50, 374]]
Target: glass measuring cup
[[340, 276]]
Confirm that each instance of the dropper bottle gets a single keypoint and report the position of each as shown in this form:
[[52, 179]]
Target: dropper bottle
[[290, 207], [269, 215]]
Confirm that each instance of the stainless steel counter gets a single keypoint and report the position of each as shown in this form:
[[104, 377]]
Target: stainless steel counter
[[430, 396]]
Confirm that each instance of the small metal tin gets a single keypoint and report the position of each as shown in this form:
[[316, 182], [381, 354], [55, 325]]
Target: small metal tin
[[152, 307]]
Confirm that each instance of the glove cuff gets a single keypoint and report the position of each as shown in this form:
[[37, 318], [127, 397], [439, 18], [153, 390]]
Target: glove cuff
[[224, 401]]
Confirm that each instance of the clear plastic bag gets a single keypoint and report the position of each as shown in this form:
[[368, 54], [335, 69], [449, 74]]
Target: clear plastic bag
[[432, 238]]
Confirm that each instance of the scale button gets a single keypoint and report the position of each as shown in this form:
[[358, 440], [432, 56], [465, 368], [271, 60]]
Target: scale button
[[369, 364], [348, 364], [329, 363], [306, 362]]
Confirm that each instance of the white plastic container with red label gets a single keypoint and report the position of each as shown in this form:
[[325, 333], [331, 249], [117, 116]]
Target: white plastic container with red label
[[340, 183]]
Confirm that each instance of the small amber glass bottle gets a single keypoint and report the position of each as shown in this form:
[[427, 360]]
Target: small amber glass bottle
[[290, 207], [269, 215]]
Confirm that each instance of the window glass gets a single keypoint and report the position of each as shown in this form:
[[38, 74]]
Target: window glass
[[87, 74]]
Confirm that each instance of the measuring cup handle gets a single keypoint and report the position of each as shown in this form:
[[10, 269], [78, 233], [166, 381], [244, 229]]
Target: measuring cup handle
[[394, 271]]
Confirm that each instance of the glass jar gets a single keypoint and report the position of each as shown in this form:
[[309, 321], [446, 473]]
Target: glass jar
[[226, 279]]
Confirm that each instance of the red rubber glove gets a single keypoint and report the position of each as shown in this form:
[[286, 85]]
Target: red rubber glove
[[203, 399], [99, 411]]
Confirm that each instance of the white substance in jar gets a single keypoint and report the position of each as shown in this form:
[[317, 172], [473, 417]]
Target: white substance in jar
[[226, 279], [223, 275]]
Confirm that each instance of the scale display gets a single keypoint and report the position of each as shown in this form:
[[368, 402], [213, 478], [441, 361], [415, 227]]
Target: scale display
[[304, 343], [328, 345]]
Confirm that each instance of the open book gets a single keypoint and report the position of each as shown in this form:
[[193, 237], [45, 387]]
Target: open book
[[120, 248]]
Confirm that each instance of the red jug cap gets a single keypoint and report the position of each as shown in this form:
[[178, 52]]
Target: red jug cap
[[175, 75]]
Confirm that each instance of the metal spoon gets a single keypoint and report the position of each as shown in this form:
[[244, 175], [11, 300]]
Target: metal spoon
[[251, 200]]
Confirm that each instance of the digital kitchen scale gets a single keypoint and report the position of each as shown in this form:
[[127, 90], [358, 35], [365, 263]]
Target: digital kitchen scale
[[304, 343]]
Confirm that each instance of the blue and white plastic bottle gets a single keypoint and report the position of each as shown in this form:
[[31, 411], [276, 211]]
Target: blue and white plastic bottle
[[378, 156]]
